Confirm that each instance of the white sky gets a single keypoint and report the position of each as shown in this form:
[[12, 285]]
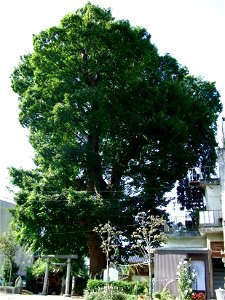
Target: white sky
[[190, 30]]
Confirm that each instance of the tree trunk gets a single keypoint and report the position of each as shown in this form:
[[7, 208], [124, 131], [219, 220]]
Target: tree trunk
[[97, 257]]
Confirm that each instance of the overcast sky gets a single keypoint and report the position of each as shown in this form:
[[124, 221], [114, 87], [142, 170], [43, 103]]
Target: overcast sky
[[190, 30]]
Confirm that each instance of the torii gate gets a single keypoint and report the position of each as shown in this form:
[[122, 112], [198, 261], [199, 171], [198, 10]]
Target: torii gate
[[68, 257]]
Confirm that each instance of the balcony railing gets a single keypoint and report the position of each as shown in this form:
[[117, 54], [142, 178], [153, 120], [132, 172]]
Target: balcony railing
[[203, 174], [210, 218]]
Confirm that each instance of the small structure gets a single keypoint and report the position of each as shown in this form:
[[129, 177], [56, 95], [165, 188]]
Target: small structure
[[69, 258], [113, 275], [22, 259], [203, 242], [18, 285]]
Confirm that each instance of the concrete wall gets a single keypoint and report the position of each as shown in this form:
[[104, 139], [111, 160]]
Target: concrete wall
[[5, 216], [23, 259], [186, 241], [213, 197]]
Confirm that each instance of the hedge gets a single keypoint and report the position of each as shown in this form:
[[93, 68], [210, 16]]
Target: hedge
[[127, 287]]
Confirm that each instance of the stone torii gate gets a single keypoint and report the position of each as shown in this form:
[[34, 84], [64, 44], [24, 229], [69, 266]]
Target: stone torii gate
[[68, 257]]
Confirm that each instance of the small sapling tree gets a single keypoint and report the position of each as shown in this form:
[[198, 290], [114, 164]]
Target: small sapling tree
[[9, 248], [109, 236], [147, 237]]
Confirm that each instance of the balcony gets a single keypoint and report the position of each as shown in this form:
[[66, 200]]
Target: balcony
[[210, 221], [203, 175], [181, 226]]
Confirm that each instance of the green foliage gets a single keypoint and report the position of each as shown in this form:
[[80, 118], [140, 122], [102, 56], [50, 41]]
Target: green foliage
[[9, 248], [164, 295], [80, 286], [31, 284], [148, 235], [132, 287], [127, 287], [186, 278], [112, 294], [9, 272], [8, 245], [93, 285], [113, 125], [111, 240], [131, 297], [39, 267]]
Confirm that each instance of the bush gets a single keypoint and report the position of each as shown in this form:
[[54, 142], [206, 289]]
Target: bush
[[30, 281], [93, 285], [6, 272], [141, 288], [186, 278], [111, 294], [131, 297], [80, 286], [164, 295], [127, 287]]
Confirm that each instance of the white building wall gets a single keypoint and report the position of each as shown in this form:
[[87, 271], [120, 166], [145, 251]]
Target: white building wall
[[23, 260], [186, 242], [5, 216], [213, 197]]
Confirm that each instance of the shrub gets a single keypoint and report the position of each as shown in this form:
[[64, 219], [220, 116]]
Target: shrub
[[131, 297], [6, 272], [80, 286], [93, 285], [164, 295], [186, 278], [140, 287], [127, 287], [111, 294], [31, 281]]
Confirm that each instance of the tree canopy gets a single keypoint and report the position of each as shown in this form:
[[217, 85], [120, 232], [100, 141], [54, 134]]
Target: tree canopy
[[113, 125]]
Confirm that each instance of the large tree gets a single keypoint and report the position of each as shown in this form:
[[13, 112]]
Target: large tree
[[113, 125]]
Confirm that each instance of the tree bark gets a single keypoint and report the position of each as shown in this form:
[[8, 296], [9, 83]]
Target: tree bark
[[97, 257]]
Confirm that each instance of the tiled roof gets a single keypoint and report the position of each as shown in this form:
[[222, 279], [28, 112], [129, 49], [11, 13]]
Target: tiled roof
[[137, 259]]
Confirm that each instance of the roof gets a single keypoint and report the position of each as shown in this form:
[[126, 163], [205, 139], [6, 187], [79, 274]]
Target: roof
[[184, 250]]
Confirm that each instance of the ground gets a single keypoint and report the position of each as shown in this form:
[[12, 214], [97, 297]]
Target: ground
[[35, 297]]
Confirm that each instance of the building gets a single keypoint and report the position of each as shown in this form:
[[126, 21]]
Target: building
[[5, 218], [201, 239], [22, 259]]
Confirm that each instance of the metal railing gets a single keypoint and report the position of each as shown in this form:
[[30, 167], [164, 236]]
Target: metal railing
[[212, 218], [203, 174]]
